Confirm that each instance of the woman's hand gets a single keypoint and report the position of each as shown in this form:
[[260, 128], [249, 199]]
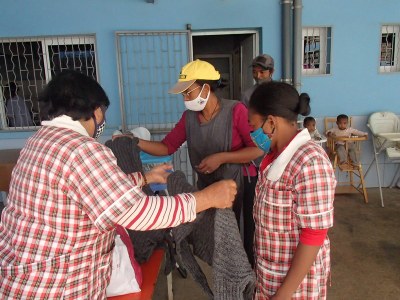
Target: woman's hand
[[220, 194], [159, 174], [210, 163]]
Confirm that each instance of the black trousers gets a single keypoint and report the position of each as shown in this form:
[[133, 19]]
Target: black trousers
[[248, 221], [238, 203]]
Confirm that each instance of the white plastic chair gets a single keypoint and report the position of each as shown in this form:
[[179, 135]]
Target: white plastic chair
[[385, 128]]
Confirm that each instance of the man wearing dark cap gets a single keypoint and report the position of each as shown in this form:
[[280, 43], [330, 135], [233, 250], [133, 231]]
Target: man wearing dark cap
[[263, 67]]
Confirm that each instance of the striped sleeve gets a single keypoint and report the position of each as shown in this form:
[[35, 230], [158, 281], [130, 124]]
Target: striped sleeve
[[137, 178], [110, 197], [153, 212], [138, 211]]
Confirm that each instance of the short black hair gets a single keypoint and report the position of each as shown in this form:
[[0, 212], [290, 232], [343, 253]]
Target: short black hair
[[307, 120], [341, 117], [73, 94], [214, 84], [279, 99]]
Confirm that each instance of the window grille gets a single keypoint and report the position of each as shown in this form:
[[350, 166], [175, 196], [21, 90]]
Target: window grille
[[149, 63], [27, 64], [316, 55], [390, 49]]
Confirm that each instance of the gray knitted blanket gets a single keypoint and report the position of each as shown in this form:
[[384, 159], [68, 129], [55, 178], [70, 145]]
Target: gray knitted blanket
[[127, 152], [213, 237]]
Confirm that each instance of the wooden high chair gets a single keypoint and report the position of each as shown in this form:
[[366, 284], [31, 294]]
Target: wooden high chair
[[352, 170]]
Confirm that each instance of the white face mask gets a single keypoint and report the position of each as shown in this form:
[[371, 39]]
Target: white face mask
[[199, 103]]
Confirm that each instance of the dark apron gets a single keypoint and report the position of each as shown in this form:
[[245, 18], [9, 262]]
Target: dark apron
[[211, 137]]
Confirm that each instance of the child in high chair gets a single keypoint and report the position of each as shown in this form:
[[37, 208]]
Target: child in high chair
[[343, 131], [309, 123]]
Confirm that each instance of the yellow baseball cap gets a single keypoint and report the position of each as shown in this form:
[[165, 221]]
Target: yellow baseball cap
[[195, 70]]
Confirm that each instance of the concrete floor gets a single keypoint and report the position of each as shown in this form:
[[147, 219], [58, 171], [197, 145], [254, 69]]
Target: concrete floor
[[365, 246]]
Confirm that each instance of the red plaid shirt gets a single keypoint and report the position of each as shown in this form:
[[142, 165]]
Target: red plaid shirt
[[57, 231], [293, 193]]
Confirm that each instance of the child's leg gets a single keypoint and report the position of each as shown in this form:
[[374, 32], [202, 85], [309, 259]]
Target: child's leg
[[353, 153], [342, 153]]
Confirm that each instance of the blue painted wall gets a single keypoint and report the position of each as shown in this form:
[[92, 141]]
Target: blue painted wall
[[355, 54], [354, 87], [104, 17]]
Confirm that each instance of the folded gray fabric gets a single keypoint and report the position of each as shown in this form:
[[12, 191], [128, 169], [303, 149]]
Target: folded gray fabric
[[177, 184], [233, 275], [145, 242], [127, 152], [215, 238]]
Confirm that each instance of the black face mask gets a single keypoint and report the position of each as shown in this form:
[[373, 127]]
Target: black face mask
[[99, 128]]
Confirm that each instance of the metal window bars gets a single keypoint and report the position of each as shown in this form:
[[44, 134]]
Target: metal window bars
[[148, 65], [28, 63]]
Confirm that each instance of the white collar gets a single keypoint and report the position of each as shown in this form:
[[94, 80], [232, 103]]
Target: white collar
[[65, 121], [279, 164]]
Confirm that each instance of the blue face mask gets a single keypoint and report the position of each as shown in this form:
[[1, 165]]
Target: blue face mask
[[261, 139]]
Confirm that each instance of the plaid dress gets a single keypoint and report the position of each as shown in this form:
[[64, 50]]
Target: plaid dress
[[295, 191], [57, 231]]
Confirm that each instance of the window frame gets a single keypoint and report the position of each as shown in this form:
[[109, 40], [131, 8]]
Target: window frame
[[44, 42], [325, 47], [390, 29]]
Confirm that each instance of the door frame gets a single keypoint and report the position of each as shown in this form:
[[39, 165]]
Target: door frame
[[255, 33]]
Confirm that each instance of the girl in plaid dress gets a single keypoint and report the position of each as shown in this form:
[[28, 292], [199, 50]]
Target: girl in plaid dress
[[293, 206]]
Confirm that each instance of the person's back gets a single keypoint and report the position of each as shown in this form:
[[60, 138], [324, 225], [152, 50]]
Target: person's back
[[17, 111]]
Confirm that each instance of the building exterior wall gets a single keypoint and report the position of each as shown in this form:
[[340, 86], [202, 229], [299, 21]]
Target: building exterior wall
[[354, 87]]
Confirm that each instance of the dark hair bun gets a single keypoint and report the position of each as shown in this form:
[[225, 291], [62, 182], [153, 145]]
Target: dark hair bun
[[304, 104]]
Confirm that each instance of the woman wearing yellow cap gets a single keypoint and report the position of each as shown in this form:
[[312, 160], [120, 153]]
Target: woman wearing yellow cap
[[216, 130]]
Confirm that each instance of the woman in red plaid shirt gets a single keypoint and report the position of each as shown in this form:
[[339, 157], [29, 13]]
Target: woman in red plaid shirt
[[293, 207], [67, 194]]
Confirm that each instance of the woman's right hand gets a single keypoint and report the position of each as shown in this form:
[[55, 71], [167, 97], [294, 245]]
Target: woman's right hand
[[220, 194]]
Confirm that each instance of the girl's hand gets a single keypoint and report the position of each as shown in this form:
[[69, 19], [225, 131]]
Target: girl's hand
[[159, 174], [210, 163]]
